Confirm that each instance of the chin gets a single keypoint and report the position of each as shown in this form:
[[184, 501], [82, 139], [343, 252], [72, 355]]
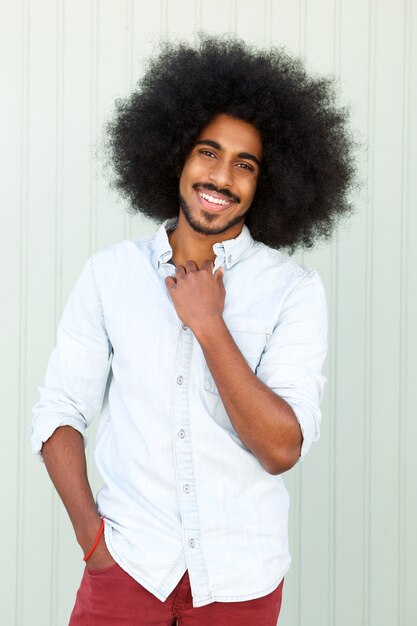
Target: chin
[[220, 223]]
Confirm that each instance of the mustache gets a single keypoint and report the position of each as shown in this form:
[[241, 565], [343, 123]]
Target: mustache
[[211, 187]]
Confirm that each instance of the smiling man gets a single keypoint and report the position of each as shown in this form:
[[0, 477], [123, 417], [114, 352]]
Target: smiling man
[[217, 186], [201, 346]]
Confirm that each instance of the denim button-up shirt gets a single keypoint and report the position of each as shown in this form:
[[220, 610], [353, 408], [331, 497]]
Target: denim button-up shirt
[[181, 490]]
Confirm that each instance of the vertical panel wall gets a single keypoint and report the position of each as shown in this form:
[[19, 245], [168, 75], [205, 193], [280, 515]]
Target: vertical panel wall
[[353, 506], [13, 229]]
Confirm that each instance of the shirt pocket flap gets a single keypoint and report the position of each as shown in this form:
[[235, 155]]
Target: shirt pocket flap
[[251, 344]]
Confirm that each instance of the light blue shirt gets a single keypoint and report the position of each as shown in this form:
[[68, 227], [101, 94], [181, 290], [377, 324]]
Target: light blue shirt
[[181, 490]]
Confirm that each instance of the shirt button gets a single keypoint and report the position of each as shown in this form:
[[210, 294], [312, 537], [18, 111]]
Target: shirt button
[[180, 380], [229, 258], [181, 433], [191, 543], [184, 327], [186, 488]]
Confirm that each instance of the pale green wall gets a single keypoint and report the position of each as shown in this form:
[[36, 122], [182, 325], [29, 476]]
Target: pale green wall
[[354, 513]]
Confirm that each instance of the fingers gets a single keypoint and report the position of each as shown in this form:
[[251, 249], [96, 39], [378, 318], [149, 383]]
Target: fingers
[[191, 266], [207, 265], [170, 282], [179, 271]]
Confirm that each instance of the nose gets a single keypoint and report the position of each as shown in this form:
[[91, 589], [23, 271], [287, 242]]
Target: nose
[[221, 174]]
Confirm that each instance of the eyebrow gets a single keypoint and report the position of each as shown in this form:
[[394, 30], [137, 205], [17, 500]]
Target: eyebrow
[[242, 155]]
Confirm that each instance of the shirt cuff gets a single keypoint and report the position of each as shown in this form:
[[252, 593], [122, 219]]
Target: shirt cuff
[[46, 426], [310, 427]]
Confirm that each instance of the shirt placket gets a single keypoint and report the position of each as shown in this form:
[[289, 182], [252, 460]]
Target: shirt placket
[[182, 443]]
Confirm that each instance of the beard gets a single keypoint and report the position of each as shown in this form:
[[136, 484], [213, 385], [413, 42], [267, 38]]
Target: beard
[[204, 227]]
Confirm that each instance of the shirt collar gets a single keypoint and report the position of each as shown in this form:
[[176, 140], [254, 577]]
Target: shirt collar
[[227, 252]]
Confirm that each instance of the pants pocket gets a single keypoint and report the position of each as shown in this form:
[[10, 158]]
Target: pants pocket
[[101, 570]]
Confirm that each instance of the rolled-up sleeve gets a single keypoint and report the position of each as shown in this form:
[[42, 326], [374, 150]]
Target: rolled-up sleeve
[[77, 369], [293, 359]]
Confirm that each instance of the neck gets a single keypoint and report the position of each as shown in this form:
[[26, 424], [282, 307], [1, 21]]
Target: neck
[[187, 244]]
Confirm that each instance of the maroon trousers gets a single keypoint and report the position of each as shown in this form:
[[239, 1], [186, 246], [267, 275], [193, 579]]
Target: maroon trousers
[[110, 597]]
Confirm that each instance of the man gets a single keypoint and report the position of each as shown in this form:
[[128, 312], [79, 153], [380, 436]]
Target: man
[[215, 336]]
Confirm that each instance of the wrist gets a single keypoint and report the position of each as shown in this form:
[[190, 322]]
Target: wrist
[[209, 328], [96, 541], [87, 533]]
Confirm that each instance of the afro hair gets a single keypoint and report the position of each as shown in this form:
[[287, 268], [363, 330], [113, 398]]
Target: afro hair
[[308, 165]]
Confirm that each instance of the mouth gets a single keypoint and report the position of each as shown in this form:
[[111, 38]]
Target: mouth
[[213, 201]]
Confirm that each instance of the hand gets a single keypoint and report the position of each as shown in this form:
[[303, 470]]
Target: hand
[[197, 295], [101, 557]]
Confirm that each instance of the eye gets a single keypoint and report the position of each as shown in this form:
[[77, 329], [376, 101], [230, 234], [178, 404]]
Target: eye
[[245, 166], [207, 153]]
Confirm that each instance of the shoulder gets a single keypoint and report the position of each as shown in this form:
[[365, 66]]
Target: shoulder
[[125, 248], [124, 251], [281, 266], [300, 289]]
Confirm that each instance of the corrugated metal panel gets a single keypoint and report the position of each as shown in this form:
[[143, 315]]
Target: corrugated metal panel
[[354, 510]]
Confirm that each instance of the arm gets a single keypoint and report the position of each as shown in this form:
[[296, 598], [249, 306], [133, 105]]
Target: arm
[[70, 398], [264, 421], [64, 457]]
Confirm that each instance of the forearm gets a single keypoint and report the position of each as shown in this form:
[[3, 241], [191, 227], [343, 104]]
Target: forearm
[[65, 461], [264, 422]]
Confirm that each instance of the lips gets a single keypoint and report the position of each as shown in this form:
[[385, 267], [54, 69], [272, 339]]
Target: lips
[[213, 200]]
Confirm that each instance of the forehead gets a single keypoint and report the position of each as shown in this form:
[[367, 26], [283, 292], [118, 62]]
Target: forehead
[[233, 134]]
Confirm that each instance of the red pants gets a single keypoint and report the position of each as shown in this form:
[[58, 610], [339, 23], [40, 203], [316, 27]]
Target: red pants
[[110, 597]]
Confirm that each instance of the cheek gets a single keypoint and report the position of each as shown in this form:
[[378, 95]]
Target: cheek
[[250, 190], [191, 174]]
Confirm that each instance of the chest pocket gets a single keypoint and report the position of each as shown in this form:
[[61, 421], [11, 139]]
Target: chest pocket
[[251, 344]]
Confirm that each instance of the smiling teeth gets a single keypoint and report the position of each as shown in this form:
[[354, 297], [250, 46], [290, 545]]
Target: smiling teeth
[[213, 200]]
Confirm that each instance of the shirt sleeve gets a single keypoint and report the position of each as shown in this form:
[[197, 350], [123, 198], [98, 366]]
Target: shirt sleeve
[[292, 362], [77, 369]]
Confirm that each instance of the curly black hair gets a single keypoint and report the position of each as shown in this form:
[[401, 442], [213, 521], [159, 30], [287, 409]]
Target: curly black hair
[[308, 166]]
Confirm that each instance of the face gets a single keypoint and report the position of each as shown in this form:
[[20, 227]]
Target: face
[[220, 176]]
